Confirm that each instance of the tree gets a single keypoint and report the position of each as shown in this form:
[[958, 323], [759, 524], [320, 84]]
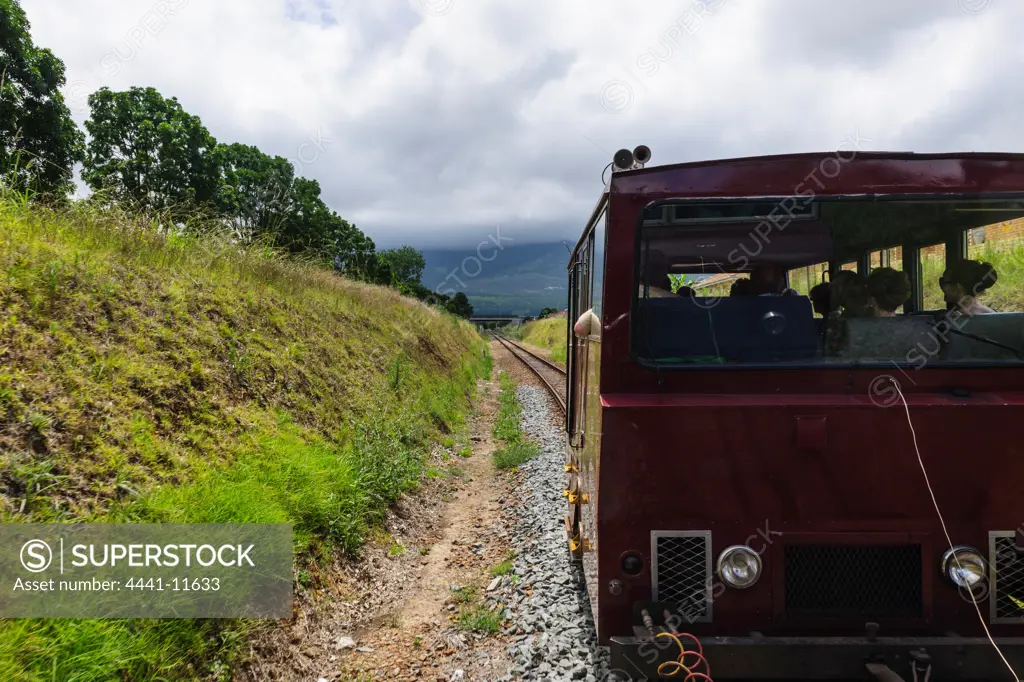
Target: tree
[[370, 269], [256, 190], [260, 196], [353, 248], [406, 264], [545, 312], [459, 305], [311, 226], [146, 149], [39, 142]]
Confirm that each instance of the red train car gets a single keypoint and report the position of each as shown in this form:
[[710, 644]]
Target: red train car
[[816, 482]]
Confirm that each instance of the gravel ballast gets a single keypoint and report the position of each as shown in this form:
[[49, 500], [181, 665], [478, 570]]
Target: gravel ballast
[[547, 605]]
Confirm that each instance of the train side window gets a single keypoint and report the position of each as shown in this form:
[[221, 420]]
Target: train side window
[[585, 303], [802, 280], [580, 279], [672, 331], [1001, 245], [570, 356], [933, 264], [887, 258], [597, 266]]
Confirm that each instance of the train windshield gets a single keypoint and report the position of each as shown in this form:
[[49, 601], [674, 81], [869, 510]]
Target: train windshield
[[831, 282]]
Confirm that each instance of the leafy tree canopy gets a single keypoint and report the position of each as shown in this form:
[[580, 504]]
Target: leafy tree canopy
[[406, 264], [39, 142], [459, 305], [256, 190], [312, 226], [260, 196], [147, 150]]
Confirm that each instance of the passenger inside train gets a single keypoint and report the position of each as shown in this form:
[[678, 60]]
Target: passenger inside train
[[755, 300], [742, 287], [821, 298], [850, 295], [768, 280], [889, 290], [963, 283]]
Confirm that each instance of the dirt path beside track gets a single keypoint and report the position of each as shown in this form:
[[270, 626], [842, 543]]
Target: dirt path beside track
[[407, 609]]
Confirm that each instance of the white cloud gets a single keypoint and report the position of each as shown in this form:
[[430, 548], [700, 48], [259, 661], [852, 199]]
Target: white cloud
[[444, 123]]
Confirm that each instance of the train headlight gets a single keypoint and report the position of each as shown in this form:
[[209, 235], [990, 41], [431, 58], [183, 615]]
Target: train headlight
[[739, 566], [964, 566]]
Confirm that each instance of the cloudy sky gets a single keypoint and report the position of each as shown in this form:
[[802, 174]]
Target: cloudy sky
[[434, 121]]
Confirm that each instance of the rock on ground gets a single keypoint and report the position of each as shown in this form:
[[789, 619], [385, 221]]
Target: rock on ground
[[546, 600]]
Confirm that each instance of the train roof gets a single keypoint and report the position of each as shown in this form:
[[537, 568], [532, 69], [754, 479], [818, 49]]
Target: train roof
[[831, 173], [847, 155], [839, 173]]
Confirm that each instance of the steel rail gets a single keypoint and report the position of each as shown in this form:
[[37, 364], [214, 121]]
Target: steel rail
[[525, 357], [555, 366]]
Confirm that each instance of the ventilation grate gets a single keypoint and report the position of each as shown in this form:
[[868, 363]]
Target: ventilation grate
[[854, 581], [681, 572], [1008, 592]]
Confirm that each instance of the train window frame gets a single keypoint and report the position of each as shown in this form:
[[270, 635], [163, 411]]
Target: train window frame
[[582, 349], [670, 213], [570, 358], [911, 254], [598, 256], [582, 254]]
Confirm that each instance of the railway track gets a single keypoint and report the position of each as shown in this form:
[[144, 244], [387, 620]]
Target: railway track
[[550, 374]]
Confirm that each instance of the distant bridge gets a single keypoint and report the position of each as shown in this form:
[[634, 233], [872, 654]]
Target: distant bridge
[[497, 320]]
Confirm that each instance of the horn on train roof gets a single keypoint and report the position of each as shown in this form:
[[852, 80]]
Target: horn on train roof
[[642, 155], [623, 159], [629, 160]]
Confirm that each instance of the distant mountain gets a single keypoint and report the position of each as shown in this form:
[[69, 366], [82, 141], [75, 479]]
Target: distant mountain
[[520, 280]]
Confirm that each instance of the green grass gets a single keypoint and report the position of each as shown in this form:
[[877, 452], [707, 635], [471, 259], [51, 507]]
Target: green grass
[[464, 595], [478, 618], [508, 423], [473, 615], [161, 377], [512, 456], [333, 492], [548, 334], [504, 568], [72, 650], [513, 331], [516, 448]]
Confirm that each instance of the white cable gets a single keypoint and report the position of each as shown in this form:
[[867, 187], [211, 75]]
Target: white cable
[[945, 532]]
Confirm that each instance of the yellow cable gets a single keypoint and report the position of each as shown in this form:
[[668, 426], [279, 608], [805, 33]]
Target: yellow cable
[[682, 649], [679, 663], [675, 671]]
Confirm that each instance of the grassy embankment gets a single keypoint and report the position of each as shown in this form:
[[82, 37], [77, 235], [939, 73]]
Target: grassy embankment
[[548, 334], [516, 448], [162, 378]]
